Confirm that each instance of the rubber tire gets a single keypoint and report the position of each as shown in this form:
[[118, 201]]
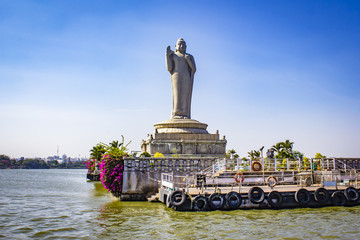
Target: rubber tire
[[338, 198], [197, 200], [216, 196], [275, 195], [174, 195], [233, 204], [351, 194], [253, 195], [302, 196], [321, 196]]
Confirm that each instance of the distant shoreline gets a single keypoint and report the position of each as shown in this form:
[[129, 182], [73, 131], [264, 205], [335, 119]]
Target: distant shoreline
[[40, 164]]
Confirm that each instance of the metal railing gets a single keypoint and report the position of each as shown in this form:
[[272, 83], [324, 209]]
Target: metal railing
[[301, 179], [322, 171], [285, 164]]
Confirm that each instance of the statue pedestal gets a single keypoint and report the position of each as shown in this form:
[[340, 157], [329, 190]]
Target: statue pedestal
[[184, 137]]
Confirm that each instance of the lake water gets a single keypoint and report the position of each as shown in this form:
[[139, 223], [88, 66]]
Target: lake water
[[61, 204]]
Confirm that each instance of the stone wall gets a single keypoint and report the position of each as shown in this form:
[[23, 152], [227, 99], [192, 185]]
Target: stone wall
[[201, 144], [142, 176], [184, 137]]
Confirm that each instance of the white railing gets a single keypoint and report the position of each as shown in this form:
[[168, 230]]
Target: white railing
[[324, 172], [287, 170], [284, 164]]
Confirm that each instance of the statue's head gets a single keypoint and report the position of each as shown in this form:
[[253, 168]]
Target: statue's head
[[180, 45]]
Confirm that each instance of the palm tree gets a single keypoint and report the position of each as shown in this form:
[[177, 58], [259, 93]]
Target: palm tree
[[97, 152], [231, 153], [254, 154], [298, 154], [116, 148], [288, 148], [115, 144], [284, 149], [278, 147]]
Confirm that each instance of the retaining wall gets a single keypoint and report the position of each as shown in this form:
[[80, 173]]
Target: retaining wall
[[142, 176]]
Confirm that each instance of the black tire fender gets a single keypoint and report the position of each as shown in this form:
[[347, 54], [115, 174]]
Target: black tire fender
[[256, 195], [177, 198], [275, 199], [351, 194], [233, 200], [216, 197], [338, 198], [200, 203], [322, 196], [302, 196]]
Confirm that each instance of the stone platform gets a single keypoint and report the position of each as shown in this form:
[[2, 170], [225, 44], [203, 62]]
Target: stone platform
[[184, 137]]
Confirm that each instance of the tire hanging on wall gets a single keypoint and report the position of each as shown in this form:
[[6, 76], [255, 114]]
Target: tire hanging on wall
[[322, 196], [338, 198], [233, 200], [256, 195], [351, 194], [200, 203], [177, 198], [216, 201], [275, 199], [302, 196]]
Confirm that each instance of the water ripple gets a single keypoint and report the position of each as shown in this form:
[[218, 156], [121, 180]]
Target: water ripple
[[60, 204]]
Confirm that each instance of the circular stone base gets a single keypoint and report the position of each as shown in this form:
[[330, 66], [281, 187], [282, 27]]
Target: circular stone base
[[181, 126]]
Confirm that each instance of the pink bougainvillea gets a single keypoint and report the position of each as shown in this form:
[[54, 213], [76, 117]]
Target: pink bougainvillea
[[110, 161], [91, 165], [111, 173]]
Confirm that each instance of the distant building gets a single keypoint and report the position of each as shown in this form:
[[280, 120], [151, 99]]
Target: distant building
[[64, 158]]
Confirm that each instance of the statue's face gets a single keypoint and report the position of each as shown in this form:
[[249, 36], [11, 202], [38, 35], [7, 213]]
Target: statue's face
[[180, 46]]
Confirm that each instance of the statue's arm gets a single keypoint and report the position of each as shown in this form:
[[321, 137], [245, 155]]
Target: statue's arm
[[191, 62], [169, 60]]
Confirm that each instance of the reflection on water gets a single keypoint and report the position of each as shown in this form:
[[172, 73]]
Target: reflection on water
[[99, 190], [53, 204]]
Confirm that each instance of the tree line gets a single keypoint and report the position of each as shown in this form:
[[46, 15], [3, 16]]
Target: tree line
[[7, 163]]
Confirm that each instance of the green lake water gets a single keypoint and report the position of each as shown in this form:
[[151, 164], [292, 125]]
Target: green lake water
[[61, 204]]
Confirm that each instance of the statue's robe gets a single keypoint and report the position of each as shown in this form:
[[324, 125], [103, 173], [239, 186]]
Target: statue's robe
[[182, 78]]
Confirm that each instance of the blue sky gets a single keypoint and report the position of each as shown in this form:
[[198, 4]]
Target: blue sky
[[75, 73]]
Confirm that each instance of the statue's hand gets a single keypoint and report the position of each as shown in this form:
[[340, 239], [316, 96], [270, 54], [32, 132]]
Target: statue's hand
[[169, 51]]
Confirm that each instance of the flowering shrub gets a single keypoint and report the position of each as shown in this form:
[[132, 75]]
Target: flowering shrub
[[91, 165], [111, 173], [158, 155], [112, 166]]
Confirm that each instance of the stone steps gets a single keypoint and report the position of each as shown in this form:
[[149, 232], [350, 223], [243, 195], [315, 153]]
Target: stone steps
[[154, 198]]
